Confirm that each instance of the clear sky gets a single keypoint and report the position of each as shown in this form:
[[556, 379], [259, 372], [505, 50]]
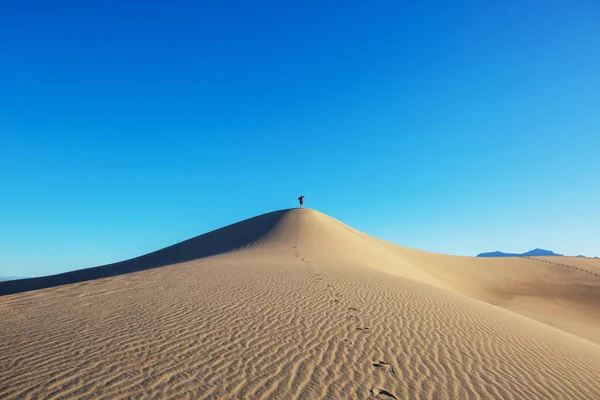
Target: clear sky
[[128, 126]]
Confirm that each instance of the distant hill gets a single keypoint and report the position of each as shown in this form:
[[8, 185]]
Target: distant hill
[[531, 253], [10, 278]]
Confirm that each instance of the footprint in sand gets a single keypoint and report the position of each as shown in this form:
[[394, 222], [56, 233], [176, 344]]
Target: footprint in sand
[[383, 394], [347, 342], [364, 330], [385, 366], [354, 309]]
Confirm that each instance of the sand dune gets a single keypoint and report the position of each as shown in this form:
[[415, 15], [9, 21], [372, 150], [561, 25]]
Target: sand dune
[[295, 304]]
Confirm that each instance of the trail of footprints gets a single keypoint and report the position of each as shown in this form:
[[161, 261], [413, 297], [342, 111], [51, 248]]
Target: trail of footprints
[[335, 298], [563, 265]]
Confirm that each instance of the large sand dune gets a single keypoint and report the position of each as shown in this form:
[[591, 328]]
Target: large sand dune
[[295, 304]]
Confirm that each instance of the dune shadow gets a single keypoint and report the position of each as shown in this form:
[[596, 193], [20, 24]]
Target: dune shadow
[[223, 240]]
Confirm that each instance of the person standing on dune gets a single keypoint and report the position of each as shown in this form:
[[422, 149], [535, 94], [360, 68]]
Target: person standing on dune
[[301, 200]]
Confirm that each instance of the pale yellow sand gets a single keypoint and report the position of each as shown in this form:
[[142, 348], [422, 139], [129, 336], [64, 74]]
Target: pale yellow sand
[[310, 309]]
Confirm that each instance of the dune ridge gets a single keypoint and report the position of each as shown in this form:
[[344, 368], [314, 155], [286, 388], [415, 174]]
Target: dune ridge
[[295, 304]]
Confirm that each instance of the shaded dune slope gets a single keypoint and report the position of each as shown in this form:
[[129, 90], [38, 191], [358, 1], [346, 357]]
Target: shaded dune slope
[[232, 237]]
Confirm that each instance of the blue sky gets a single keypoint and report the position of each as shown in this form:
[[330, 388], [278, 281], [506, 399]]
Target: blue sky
[[452, 128]]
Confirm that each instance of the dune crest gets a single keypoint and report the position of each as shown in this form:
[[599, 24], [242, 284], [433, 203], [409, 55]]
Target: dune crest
[[295, 304]]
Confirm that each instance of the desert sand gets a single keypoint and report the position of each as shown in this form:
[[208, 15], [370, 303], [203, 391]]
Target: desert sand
[[297, 305]]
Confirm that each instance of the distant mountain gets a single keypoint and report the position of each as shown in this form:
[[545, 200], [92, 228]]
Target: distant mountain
[[531, 253], [497, 254], [541, 252]]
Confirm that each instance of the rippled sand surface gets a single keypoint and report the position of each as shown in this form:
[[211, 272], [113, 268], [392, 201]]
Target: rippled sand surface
[[296, 305]]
